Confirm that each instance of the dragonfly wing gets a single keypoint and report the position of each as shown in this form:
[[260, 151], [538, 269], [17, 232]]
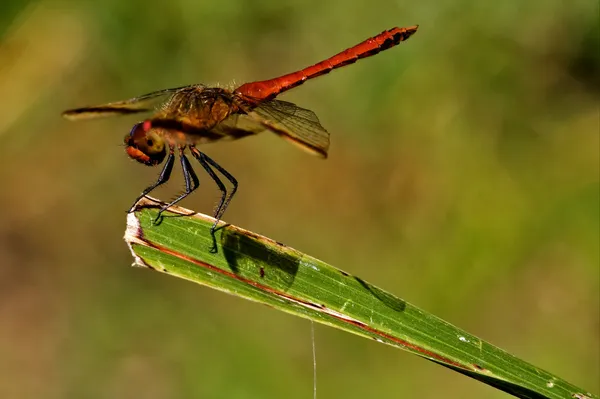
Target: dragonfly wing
[[146, 103], [237, 126], [298, 125]]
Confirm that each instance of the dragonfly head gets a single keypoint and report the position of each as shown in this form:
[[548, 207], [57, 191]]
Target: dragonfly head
[[145, 144]]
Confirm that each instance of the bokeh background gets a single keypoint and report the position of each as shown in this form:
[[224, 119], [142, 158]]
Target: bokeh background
[[463, 177]]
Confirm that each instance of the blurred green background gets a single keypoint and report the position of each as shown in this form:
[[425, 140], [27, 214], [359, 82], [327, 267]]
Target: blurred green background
[[463, 177]]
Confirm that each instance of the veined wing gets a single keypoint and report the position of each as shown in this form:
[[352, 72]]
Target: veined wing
[[233, 127], [295, 124], [147, 102], [237, 126]]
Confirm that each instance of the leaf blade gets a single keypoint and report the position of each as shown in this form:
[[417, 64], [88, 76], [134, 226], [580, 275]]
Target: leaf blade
[[265, 271]]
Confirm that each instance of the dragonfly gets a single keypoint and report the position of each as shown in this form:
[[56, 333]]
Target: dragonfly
[[185, 117]]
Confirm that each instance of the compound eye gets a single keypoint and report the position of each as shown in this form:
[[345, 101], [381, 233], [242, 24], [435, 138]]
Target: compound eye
[[145, 144]]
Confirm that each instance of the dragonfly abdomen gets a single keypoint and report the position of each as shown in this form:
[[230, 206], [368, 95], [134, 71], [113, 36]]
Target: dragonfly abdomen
[[269, 89]]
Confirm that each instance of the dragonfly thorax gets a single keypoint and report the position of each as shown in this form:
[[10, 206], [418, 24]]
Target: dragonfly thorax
[[199, 107]]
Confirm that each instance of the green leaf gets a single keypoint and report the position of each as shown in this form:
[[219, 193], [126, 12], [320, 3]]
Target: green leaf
[[259, 269]]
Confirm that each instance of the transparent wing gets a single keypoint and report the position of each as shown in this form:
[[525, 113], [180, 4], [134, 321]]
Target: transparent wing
[[147, 102], [237, 126], [298, 125]]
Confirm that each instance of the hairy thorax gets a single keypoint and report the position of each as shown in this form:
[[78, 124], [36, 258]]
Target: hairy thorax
[[190, 116]]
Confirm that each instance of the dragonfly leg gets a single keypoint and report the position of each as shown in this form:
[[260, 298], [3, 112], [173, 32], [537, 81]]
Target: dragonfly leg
[[164, 176], [206, 163], [191, 183]]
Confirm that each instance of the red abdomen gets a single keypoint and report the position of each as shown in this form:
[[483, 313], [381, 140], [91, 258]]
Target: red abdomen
[[269, 89]]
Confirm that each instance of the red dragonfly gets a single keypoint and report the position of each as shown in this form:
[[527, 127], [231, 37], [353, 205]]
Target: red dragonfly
[[196, 114]]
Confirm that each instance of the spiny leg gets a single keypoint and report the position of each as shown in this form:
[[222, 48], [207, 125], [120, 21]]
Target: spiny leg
[[191, 182], [224, 204], [198, 155], [164, 176], [206, 163]]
